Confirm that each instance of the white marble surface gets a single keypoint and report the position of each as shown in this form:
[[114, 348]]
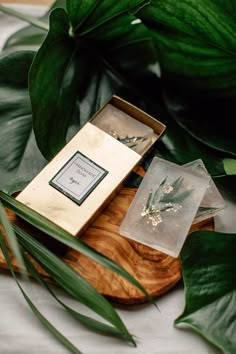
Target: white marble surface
[[21, 333]]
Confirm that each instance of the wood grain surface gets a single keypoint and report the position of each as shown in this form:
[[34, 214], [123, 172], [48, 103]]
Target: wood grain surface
[[156, 271]]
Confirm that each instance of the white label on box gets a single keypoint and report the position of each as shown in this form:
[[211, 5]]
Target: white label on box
[[78, 177]]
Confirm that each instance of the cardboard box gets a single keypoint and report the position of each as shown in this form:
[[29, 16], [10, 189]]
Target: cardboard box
[[86, 174]]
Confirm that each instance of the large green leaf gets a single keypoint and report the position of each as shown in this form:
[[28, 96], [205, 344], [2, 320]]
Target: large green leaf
[[196, 43], [72, 59], [96, 15], [205, 117], [209, 268], [211, 121], [54, 82], [20, 159], [118, 38]]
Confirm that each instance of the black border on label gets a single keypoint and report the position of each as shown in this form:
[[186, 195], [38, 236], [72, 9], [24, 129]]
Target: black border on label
[[67, 194]]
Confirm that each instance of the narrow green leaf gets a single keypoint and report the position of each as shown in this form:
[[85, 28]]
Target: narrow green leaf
[[85, 320], [179, 198], [59, 234], [177, 183], [206, 210], [149, 198], [173, 194], [34, 309], [11, 237], [71, 281], [209, 268], [158, 191], [163, 183], [20, 15], [230, 166]]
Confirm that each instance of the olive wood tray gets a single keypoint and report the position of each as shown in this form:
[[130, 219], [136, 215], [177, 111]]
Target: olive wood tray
[[156, 271]]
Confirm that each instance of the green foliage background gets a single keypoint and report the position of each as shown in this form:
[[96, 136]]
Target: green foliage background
[[174, 59], [95, 49]]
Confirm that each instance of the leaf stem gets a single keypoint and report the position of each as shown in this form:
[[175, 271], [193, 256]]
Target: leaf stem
[[12, 240], [30, 19]]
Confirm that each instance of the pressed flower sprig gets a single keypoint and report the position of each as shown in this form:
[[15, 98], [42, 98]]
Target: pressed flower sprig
[[167, 197], [130, 141], [134, 140]]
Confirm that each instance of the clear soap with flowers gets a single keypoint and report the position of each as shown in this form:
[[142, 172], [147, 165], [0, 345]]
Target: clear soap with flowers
[[212, 202], [165, 206], [124, 128]]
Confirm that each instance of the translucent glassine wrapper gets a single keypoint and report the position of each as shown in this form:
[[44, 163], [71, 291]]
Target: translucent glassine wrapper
[[164, 206], [212, 202]]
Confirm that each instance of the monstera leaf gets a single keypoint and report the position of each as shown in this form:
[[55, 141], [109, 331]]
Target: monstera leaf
[[196, 46], [209, 268], [20, 159], [94, 37], [196, 43]]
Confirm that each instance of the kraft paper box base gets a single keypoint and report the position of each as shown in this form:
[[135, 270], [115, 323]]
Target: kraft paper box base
[[87, 173]]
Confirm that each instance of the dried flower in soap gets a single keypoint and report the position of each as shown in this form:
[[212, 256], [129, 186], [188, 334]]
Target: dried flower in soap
[[131, 142], [166, 198]]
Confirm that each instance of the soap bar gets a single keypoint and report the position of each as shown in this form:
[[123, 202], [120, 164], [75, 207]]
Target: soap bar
[[212, 202], [124, 128], [165, 206]]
